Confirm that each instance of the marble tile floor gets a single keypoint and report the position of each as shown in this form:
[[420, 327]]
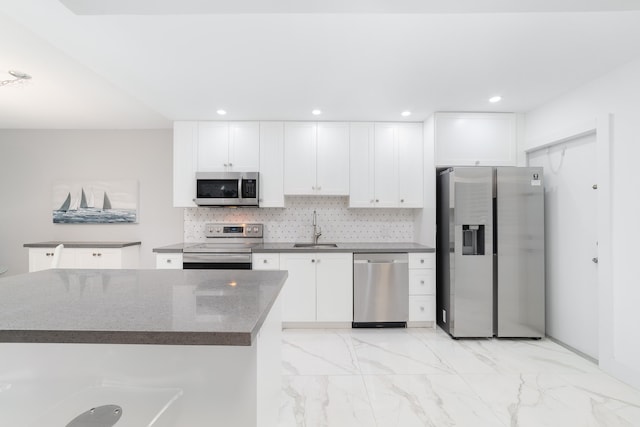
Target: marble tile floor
[[422, 377]]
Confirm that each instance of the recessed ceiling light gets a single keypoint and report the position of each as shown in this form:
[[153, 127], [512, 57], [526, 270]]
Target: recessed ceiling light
[[316, 112], [221, 112], [495, 99], [406, 113]]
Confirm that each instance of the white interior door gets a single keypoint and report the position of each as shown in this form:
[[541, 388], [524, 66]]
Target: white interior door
[[571, 241]]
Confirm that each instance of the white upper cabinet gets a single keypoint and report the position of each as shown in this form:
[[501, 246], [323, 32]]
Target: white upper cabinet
[[385, 180], [244, 146], [224, 146], [316, 158], [361, 168], [212, 147], [386, 165], [185, 138], [475, 139], [332, 159], [271, 165], [300, 158], [410, 165]]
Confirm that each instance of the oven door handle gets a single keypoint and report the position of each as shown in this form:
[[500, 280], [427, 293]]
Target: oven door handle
[[216, 258]]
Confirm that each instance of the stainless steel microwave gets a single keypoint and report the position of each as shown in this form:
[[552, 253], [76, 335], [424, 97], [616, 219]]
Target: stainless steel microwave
[[226, 189]]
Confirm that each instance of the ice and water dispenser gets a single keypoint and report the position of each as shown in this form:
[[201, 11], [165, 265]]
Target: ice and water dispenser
[[473, 239]]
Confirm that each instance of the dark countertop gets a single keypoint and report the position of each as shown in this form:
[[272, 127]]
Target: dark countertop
[[347, 247], [177, 248], [167, 307], [342, 247], [54, 243]]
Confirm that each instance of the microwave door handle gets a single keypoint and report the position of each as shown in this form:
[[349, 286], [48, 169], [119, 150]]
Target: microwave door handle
[[239, 189]]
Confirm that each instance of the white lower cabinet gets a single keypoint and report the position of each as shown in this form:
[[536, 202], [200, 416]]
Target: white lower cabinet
[[98, 258], [102, 258], [422, 289], [334, 287], [41, 258], [319, 287], [169, 261], [265, 261], [422, 308], [299, 292]]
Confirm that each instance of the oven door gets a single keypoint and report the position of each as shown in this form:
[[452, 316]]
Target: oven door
[[216, 261]]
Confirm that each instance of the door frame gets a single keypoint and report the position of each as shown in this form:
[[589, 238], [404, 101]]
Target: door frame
[[601, 126]]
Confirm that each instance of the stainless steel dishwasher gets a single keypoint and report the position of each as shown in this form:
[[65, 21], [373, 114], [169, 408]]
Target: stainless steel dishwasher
[[380, 290]]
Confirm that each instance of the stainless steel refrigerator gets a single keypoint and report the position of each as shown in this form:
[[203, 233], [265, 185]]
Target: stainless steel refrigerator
[[490, 252]]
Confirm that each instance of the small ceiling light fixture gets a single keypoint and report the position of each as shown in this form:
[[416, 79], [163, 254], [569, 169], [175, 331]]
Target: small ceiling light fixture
[[221, 112], [19, 76], [405, 113], [495, 99], [316, 112]]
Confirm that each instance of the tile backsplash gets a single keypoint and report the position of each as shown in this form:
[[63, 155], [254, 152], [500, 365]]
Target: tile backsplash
[[294, 222]]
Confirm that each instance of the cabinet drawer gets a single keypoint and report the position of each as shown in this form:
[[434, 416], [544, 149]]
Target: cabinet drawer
[[422, 282], [265, 262], [422, 260], [169, 261], [422, 308]]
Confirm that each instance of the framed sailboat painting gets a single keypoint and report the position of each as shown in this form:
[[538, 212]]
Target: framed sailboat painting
[[95, 202]]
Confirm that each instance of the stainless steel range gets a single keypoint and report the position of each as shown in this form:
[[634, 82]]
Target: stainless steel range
[[228, 247]]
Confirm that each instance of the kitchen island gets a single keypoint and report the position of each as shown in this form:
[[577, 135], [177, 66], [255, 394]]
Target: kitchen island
[[170, 347]]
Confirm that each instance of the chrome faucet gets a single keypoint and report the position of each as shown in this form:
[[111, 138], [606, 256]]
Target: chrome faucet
[[317, 231]]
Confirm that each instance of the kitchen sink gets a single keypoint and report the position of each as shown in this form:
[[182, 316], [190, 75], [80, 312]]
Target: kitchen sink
[[315, 245]]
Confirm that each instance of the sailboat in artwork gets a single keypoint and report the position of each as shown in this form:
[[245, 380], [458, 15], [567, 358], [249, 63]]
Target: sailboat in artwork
[[66, 203], [83, 200], [106, 203]]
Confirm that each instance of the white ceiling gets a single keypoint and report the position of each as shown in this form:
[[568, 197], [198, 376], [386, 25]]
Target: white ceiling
[[145, 63]]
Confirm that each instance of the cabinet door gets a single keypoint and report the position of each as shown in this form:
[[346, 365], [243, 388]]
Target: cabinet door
[[169, 261], [332, 159], [109, 258], [361, 166], [98, 258], [244, 146], [422, 282], [334, 287], [271, 165], [299, 292], [475, 139], [87, 258], [40, 259], [185, 138], [213, 146], [300, 158], [265, 262], [422, 308], [386, 166], [410, 165]]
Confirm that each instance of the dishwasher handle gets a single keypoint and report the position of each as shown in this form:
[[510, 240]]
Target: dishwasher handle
[[369, 261]]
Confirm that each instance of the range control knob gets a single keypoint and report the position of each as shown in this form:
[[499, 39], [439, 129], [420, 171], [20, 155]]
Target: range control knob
[[255, 229]]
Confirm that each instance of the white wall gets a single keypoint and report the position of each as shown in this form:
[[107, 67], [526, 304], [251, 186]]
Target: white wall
[[615, 96], [32, 160]]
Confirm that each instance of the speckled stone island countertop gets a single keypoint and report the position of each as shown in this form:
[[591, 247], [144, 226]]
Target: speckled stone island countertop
[[54, 243], [168, 307], [341, 247]]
